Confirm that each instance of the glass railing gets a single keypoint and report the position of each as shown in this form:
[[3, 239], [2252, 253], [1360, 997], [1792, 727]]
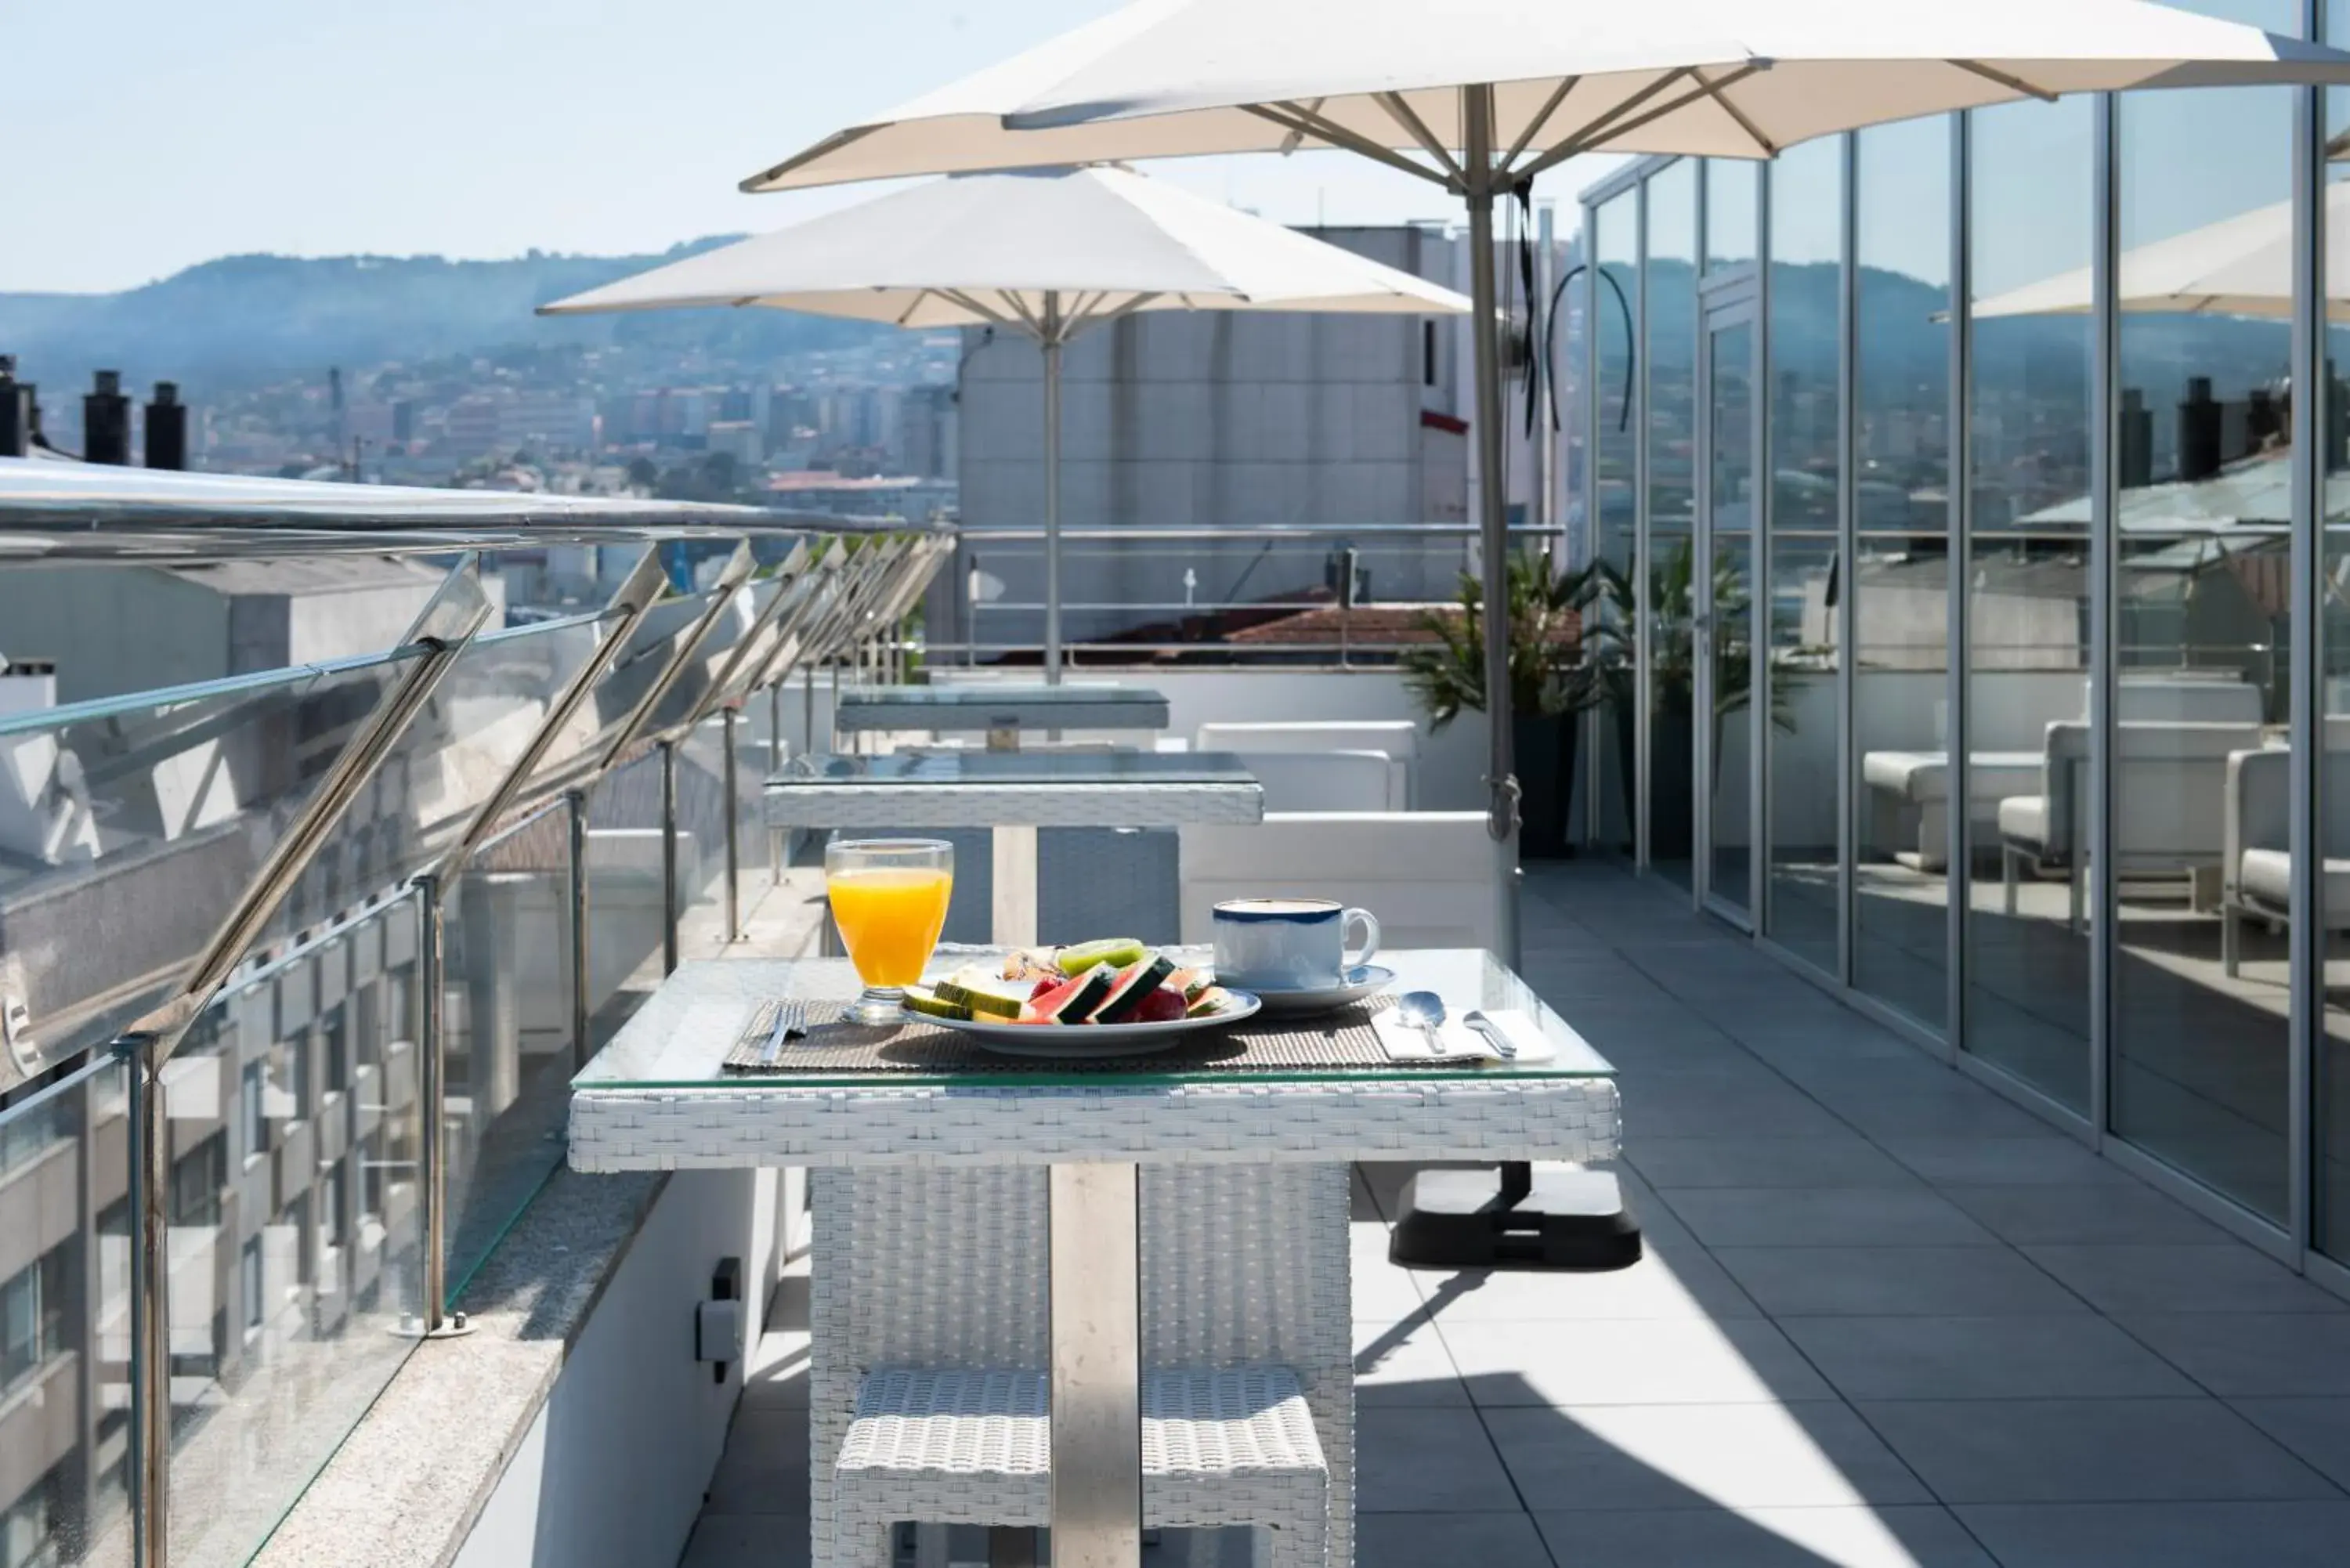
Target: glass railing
[[302, 1196]]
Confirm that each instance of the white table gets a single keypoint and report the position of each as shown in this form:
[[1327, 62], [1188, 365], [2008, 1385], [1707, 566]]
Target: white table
[[655, 1099], [1013, 793]]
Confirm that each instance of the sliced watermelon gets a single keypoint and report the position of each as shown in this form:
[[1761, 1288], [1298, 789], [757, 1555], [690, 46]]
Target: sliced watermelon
[[1191, 981], [1132, 984], [1207, 1004], [1071, 1001], [1164, 1005]]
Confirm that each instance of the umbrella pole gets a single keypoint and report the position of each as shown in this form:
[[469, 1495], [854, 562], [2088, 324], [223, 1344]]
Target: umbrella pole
[[1492, 501], [1052, 343]]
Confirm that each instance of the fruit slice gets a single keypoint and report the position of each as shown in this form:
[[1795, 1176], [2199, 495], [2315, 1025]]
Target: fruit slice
[[1207, 1004], [1164, 1005], [1071, 1001], [983, 993], [1114, 952], [1133, 984], [923, 999], [1191, 981]]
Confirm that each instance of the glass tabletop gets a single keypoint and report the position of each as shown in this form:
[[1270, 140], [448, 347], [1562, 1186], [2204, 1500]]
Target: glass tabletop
[[680, 1038], [1009, 768], [1003, 698]]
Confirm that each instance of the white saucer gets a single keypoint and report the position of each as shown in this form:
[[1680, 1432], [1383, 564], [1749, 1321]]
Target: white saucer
[[1363, 980]]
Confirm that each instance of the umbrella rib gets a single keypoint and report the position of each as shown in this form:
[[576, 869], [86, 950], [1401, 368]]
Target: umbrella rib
[[1713, 90], [1591, 136], [758, 182], [2013, 83], [976, 305], [1534, 126], [1417, 128], [1292, 117]]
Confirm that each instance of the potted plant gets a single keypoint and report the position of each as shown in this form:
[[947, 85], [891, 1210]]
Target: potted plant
[[1551, 680]]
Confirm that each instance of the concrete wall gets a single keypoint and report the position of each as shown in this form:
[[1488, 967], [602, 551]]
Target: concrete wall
[[113, 630], [612, 1472]]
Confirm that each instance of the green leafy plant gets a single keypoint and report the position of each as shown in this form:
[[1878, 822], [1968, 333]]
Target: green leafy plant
[[1448, 675]]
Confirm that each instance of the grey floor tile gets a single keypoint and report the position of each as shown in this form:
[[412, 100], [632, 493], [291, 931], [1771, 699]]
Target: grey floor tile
[[2139, 1278], [1960, 1110], [748, 1541], [2318, 1430], [764, 1469], [1404, 1364], [2101, 1211], [1698, 1109], [2046, 1158], [1910, 1216], [1658, 1361], [1675, 1278], [1825, 1160], [1901, 1537], [1815, 1454], [1427, 1461], [1425, 1540], [2163, 1534], [777, 1376], [2062, 1355], [1871, 1281], [2252, 1353], [1383, 1292], [2089, 1450]]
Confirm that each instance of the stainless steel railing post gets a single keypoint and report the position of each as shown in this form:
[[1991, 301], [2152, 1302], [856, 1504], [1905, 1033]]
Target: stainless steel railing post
[[433, 1094], [733, 848], [575, 803], [669, 856], [151, 1307]]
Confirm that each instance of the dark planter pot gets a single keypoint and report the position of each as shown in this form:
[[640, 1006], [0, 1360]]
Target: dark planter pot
[[1673, 755], [1544, 748]]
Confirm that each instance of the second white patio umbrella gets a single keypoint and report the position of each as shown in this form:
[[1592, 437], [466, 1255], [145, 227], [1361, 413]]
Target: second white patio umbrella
[[1047, 253], [1481, 96]]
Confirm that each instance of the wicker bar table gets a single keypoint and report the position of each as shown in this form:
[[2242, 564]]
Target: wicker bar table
[[1014, 794], [1108, 1136]]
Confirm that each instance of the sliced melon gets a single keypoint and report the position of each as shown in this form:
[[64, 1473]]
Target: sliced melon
[[923, 1000], [1191, 981], [1110, 952], [986, 994], [1133, 984], [1207, 1004], [1072, 1001]]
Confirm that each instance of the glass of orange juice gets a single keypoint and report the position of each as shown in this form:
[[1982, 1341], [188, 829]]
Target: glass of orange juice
[[890, 900]]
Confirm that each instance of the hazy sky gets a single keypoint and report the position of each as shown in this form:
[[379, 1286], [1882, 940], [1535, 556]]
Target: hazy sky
[[150, 134]]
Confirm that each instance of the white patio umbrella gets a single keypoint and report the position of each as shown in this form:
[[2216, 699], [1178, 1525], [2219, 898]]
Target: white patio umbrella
[[1047, 253], [1481, 96], [2241, 266]]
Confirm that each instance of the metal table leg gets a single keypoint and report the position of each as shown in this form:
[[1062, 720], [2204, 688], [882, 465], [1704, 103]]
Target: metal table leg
[[1014, 918], [1097, 1371]]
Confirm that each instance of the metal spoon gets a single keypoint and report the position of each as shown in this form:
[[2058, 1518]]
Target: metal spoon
[[1423, 1011]]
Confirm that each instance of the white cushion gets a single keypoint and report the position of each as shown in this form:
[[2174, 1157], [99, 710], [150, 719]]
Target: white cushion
[[1398, 738], [1328, 781], [2024, 817], [2267, 875], [1924, 777], [1434, 878]]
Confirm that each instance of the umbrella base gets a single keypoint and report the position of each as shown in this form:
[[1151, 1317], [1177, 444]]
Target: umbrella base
[[1530, 1220]]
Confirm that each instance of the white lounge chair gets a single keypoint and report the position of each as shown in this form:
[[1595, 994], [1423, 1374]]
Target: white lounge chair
[[1434, 878], [2257, 879], [2170, 817]]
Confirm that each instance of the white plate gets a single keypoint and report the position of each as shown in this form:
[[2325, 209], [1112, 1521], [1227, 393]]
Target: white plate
[[1363, 980], [1066, 1042]]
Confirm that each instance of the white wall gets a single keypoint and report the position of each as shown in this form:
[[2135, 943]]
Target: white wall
[[611, 1474]]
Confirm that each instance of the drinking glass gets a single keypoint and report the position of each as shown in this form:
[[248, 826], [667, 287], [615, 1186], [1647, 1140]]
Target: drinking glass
[[889, 901]]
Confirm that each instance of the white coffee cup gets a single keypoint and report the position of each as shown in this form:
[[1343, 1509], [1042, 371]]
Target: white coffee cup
[[1288, 944]]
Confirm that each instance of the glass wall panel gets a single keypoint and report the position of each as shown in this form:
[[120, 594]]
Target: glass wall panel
[[1730, 201], [2030, 569], [1671, 297], [1899, 577], [1616, 333], [1731, 518], [1801, 655], [2331, 1157], [2202, 625]]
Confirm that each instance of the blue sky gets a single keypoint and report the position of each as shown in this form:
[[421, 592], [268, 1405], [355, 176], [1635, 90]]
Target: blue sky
[[150, 135]]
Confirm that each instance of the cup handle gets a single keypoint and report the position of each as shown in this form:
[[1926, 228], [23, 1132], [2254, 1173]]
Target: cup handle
[[1371, 938]]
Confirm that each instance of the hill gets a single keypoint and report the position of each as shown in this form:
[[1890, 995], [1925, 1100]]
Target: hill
[[243, 319]]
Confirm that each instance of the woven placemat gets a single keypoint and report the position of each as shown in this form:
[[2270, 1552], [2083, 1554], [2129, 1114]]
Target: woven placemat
[[1340, 1038]]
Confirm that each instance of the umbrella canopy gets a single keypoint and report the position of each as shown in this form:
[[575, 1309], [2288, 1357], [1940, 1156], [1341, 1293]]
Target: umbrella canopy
[[1739, 78], [1481, 96], [1049, 254], [2237, 267], [998, 248]]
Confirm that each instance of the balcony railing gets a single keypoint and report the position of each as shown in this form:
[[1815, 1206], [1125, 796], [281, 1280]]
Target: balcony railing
[[294, 968]]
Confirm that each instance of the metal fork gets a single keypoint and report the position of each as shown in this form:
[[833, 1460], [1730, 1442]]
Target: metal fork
[[791, 1022]]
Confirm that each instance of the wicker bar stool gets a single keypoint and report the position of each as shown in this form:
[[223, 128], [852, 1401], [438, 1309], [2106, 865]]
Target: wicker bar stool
[[929, 1311]]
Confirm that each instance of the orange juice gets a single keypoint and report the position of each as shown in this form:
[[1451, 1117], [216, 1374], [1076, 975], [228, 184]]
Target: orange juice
[[889, 918]]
